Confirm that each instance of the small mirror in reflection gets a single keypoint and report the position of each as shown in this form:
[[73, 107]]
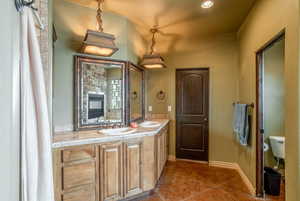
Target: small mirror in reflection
[[136, 93]]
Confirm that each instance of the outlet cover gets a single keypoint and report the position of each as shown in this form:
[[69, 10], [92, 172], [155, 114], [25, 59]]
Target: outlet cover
[[150, 108]]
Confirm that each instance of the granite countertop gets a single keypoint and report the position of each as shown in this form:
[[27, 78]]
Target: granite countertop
[[74, 138]]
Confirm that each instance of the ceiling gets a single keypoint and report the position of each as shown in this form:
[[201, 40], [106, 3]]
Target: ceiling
[[179, 21]]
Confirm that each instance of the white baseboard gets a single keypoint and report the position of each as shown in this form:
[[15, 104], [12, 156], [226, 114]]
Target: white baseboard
[[193, 161], [171, 158], [222, 164], [236, 167], [246, 180]]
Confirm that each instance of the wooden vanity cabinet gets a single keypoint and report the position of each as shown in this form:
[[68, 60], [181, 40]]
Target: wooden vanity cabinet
[[110, 171]]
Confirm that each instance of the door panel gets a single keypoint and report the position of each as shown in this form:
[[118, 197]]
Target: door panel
[[196, 139], [192, 114], [192, 104]]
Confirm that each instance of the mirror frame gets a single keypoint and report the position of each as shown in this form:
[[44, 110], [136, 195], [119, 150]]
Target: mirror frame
[[77, 90], [142, 70]]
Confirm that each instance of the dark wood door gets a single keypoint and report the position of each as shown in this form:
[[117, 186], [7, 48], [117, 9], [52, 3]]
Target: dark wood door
[[192, 110]]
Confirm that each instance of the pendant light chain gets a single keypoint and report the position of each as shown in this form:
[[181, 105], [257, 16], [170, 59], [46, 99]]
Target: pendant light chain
[[99, 15], [153, 31]]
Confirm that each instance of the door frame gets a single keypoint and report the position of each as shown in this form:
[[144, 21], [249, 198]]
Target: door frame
[[260, 113], [176, 129]]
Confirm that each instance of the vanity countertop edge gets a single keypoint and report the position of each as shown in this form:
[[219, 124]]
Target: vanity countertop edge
[[77, 138]]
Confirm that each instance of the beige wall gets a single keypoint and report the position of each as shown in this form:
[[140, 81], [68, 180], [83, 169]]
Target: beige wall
[[273, 96], [220, 54], [268, 18], [71, 22]]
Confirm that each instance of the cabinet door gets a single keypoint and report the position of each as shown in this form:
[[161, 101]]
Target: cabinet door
[[133, 167], [111, 171], [149, 163], [164, 149], [163, 152], [167, 143], [158, 155]]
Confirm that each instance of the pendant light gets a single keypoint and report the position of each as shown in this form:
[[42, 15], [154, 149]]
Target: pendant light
[[153, 60], [207, 4], [98, 42]]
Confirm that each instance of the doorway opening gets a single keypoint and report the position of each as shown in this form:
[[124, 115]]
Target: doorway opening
[[192, 114], [270, 136]]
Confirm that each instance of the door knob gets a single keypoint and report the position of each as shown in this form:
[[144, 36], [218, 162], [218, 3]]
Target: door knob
[[205, 119]]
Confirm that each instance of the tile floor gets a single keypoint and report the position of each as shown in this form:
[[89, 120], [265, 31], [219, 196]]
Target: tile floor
[[187, 181]]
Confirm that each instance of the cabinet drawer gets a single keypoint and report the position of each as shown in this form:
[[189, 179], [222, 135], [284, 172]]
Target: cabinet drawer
[[78, 174], [82, 194], [78, 153]]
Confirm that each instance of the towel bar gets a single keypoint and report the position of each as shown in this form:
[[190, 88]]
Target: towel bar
[[250, 105]]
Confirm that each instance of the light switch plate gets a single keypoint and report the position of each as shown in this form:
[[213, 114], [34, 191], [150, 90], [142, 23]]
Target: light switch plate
[[169, 108], [150, 108]]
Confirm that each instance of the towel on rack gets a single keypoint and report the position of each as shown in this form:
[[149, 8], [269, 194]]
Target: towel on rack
[[241, 123]]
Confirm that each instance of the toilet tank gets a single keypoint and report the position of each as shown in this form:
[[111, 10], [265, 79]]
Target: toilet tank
[[278, 146]]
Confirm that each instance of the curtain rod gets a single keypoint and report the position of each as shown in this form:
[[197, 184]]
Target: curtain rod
[[22, 3]]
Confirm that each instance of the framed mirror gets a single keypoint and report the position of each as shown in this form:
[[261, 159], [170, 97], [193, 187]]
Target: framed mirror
[[136, 92], [100, 93]]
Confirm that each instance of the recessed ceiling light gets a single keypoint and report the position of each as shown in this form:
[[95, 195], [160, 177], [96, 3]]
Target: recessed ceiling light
[[207, 4]]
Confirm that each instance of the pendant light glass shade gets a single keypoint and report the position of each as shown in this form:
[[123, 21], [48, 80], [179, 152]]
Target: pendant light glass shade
[[153, 60], [98, 42]]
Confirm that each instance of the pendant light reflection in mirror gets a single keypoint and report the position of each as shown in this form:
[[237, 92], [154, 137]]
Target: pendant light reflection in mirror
[[153, 60], [98, 42]]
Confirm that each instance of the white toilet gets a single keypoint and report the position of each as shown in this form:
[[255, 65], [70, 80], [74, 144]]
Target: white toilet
[[278, 148]]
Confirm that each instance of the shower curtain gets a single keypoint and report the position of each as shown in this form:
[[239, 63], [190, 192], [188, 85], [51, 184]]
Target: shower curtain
[[36, 156]]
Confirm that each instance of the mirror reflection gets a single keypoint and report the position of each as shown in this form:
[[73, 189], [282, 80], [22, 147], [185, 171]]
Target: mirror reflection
[[136, 93], [101, 93]]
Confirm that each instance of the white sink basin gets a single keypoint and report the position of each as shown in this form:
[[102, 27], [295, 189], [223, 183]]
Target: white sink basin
[[117, 131], [150, 124]]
